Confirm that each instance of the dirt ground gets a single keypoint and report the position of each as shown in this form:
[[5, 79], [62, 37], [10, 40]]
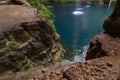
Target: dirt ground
[[10, 16]]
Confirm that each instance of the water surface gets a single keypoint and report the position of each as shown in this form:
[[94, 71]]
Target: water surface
[[77, 24]]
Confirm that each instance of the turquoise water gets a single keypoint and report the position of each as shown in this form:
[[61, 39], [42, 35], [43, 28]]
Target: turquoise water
[[77, 24]]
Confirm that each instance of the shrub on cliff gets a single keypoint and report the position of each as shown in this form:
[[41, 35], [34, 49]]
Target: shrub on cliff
[[44, 11]]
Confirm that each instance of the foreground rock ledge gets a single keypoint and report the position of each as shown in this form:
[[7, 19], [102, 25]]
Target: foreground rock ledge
[[105, 68], [26, 39], [103, 45]]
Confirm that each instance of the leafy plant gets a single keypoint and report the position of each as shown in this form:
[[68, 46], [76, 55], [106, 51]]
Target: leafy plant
[[44, 11]]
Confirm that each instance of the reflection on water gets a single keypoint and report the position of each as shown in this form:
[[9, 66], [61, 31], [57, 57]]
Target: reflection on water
[[78, 12], [77, 24], [87, 6], [79, 9]]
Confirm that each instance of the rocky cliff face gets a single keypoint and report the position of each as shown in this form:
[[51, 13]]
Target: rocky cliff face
[[103, 56], [112, 24], [26, 39], [107, 43], [103, 63], [105, 68]]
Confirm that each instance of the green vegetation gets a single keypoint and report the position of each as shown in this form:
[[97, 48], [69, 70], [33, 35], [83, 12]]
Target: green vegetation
[[44, 11], [69, 1], [63, 1], [54, 1], [88, 1], [101, 1]]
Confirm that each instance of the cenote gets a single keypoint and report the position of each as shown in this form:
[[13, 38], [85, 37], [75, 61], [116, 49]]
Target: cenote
[[77, 24]]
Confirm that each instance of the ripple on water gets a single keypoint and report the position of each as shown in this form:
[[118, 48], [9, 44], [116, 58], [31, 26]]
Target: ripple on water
[[81, 56]]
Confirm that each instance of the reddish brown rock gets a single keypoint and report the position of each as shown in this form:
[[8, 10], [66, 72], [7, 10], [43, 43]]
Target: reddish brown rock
[[26, 39], [103, 45], [106, 68], [107, 43], [112, 24], [104, 53]]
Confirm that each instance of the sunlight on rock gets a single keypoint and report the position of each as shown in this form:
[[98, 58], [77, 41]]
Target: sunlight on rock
[[78, 13]]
